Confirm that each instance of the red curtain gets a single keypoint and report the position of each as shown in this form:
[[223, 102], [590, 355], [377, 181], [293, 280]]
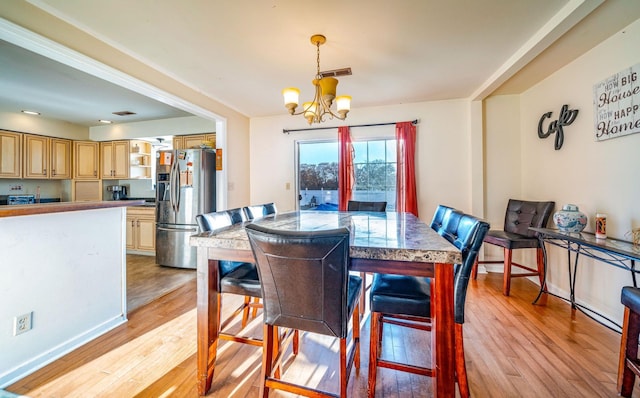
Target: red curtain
[[407, 198], [346, 172]]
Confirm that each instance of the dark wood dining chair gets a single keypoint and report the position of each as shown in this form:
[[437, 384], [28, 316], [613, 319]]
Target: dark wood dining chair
[[629, 364], [235, 277], [356, 205], [515, 235], [406, 301], [306, 286]]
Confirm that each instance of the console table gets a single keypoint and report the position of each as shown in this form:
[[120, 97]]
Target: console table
[[615, 252]]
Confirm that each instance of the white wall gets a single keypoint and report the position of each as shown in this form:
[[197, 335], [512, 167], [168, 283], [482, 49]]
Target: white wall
[[596, 176], [153, 128], [442, 159], [73, 281]]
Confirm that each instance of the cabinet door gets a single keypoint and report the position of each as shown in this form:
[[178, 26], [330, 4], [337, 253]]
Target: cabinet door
[[177, 143], [120, 161], [36, 156], [130, 232], [146, 234], [10, 155], [60, 165], [86, 160], [192, 141], [106, 160]]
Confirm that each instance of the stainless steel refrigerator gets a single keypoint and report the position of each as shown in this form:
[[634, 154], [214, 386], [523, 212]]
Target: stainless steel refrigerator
[[185, 187]]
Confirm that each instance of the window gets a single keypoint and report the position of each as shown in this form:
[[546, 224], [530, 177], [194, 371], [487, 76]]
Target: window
[[375, 164]]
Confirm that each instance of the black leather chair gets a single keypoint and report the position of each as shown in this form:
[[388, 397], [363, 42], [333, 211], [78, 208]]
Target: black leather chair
[[629, 363], [440, 216], [259, 211], [306, 286], [234, 278], [406, 301], [237, 215], [516, 235], [355, 205]]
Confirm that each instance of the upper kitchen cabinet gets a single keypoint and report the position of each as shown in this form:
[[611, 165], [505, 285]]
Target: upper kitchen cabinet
[[86, 160], [194, 141], [140, 159], [115, 160], [46, 157], [10, 154]]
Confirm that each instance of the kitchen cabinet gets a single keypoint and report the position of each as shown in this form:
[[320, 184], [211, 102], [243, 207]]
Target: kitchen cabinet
[[140, 159], [141, 230], [10, 154], [193, 141], [86, 160], [46, 157], [114, 160]]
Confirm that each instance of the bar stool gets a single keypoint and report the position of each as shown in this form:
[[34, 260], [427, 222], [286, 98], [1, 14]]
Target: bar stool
[[629, 364]]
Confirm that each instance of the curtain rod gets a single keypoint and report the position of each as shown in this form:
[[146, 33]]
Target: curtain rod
[[285, 131]]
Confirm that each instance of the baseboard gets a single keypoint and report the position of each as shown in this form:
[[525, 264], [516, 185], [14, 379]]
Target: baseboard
[[38, 362]]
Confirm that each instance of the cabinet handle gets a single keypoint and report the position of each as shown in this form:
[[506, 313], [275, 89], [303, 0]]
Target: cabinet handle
[[53, 172], [138, 223], [44, 172], [95, 173], [133, 223]]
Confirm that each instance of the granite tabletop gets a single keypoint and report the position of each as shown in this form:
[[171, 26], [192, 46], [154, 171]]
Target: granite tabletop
[[382, 236]]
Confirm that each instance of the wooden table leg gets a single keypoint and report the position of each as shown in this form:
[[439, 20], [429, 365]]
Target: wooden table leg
[[208, 319], [443, 334]]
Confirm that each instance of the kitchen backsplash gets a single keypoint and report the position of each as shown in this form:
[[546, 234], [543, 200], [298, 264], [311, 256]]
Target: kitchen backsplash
[[48, 188]]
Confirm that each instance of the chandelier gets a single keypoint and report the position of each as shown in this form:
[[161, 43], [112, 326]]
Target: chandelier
[[325, 86]]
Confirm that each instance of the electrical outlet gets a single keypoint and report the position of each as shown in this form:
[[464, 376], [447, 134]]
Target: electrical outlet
[[22, 323]]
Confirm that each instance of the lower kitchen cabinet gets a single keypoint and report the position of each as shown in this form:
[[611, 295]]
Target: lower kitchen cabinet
[[141, 230]]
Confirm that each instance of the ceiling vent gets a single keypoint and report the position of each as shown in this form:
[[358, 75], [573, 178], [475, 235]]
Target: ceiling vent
[[124, 113], [336, 72]]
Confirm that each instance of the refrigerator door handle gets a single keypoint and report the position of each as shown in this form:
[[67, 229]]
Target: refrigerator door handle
[[178, 229], [177, 181], [173, 184]]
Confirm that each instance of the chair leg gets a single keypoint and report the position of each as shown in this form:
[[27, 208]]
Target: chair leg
[[267, 359], [356, 339], [343, 365], [363, 295], [374, 342], [256, 300], [461, 368], [245, 311], [628, 352], [474, 270], [506, 284]]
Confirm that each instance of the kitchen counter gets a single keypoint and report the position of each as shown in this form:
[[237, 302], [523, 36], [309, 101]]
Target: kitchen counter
[[61, 207]]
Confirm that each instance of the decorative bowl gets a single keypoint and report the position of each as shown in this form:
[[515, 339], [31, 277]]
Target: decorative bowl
[[570, 219]]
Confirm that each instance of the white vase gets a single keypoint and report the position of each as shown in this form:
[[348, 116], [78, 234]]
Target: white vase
[[570, 219]]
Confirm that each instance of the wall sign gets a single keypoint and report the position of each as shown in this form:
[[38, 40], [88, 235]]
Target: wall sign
[[616, 104], [566, 118]]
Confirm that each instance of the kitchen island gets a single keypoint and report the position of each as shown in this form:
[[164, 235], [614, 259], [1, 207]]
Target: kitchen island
[[64, 266]]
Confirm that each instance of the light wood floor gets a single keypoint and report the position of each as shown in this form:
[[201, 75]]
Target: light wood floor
[[514, 349], [147, 281]]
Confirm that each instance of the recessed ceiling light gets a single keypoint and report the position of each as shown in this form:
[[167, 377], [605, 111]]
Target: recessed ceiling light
[[124, 113], [105, 121], [31, 112]]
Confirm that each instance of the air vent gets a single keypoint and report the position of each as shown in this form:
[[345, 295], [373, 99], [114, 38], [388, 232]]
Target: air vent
[[124, 113], [336, 72]]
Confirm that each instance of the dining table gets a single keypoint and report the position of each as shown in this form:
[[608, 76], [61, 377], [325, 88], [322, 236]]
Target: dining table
[[391, 242]]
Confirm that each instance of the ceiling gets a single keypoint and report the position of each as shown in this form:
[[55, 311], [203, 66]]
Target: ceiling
[[243, 52]]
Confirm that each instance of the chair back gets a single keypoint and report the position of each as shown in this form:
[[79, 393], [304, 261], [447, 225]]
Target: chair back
[[524, 214], [355, 205], [467, 234], [211, 221], [440, 216], [259, 211], [304, 278], [237, 215]]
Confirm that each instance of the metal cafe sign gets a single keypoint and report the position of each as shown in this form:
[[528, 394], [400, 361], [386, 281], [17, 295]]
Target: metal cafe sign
[[616, 104]]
